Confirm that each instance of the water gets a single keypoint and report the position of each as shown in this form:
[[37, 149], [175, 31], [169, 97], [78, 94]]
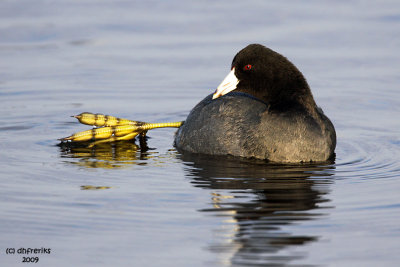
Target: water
[[153, 61]]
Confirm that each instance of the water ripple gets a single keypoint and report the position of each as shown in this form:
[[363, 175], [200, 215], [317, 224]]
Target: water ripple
[[367, 160]]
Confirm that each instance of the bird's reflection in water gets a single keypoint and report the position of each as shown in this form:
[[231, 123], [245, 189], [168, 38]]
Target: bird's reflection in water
[[258, 203]]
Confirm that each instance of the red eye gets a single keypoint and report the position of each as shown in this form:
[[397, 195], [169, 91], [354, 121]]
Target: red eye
[[247, 67]]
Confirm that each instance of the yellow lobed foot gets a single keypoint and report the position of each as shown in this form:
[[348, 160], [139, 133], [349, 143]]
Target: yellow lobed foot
[[111, 129]]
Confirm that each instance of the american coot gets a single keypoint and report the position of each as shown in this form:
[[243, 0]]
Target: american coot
[[263, 109]]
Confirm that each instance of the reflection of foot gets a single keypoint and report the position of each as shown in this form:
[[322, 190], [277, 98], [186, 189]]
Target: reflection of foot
[[111, 129], [122, 154], [105, 156]]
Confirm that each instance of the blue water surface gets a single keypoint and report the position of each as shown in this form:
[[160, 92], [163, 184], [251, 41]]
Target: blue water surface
[[120, 205]]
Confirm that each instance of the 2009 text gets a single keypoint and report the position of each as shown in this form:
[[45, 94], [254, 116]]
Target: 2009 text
[[30, 259], [31, 253]]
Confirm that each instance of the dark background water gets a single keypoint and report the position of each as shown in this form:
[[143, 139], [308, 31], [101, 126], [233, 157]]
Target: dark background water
[[153, 61]]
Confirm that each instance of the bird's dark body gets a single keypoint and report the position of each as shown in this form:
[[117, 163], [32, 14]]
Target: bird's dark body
[[220, 127]]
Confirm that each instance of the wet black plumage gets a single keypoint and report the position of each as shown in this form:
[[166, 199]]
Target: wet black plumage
[[270, 115]]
